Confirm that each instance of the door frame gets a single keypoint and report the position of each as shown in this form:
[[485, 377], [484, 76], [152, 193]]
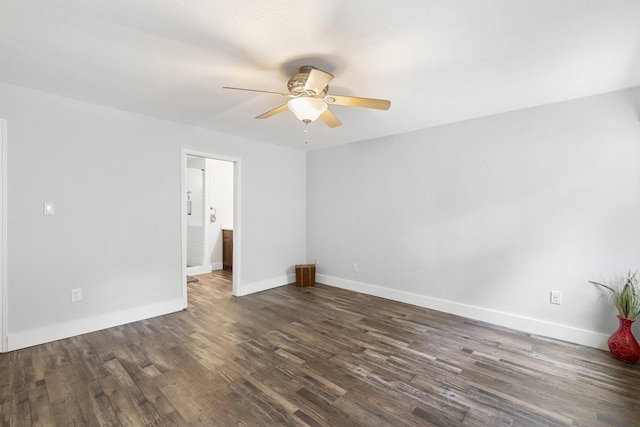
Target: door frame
[[4, 312], [237, 241]]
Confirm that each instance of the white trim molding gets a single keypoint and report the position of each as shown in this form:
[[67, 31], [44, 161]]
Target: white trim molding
[[76, 327], [263, 285], [4, 310], [524, 324], [201, 269]]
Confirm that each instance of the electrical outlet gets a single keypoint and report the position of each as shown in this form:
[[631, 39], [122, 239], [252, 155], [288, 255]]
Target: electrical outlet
[[76, 294], [556, 297], [355, 267]]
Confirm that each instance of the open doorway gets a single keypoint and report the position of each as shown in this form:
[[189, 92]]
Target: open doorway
[[210, 218], [209, 185]]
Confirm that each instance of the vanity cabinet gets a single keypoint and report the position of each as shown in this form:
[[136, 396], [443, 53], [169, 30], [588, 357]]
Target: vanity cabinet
[[227, 249]]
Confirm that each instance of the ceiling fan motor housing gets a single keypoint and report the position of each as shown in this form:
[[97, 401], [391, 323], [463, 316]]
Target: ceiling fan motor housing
[[297, 83]]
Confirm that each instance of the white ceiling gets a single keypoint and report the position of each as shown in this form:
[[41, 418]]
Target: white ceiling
[[438, 61]]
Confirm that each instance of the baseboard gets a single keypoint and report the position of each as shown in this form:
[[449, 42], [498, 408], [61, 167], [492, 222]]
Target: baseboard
[[91, 324], [199, 269], [216, 266], [525, 324], [264, 285]]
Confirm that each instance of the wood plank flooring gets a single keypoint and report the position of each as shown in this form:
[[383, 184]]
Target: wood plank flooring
[[316, 356]]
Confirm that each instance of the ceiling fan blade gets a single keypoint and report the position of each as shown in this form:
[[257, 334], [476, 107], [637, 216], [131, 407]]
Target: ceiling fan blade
[[352, 101], [330, 119], [317, 80], [259, 91], [273, 112]]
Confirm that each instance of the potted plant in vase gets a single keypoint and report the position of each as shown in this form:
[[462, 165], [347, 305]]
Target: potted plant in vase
[[625, 292]]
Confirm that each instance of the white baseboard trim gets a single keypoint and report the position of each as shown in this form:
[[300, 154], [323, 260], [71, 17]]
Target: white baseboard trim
[[216, 266], [199, 269], [524, 324], [264, 285], [63, 330]]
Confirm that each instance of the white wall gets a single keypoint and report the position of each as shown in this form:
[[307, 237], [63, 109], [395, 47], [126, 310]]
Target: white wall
[[484, 218], [115, 180]]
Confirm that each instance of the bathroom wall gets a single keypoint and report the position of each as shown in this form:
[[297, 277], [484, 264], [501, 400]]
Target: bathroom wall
[[220, 184], [195, 181]]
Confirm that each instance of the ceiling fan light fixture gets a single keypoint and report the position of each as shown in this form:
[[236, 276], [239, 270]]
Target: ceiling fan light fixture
[[307, 109]]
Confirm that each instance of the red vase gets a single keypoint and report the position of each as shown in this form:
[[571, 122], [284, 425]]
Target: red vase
[[623, 344]]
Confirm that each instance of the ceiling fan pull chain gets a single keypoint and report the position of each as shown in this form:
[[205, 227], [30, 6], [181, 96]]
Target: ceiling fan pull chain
[[306, 133]]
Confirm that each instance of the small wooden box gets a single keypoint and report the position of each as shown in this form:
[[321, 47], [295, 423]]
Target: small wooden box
[[305, 275]]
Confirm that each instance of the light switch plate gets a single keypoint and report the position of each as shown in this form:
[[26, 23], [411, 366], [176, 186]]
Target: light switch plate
[[49, 208], [76, 294]]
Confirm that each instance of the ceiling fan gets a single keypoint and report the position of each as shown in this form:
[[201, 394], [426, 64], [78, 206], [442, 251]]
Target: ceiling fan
[[309, 100]]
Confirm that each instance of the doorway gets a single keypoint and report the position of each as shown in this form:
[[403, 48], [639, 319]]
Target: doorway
[[210, 216]]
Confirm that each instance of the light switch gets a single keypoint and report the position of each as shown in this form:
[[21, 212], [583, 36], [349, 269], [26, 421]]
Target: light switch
[[49, 208]]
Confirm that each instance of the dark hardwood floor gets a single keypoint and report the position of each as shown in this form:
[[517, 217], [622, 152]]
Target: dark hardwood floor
[[316, 356]]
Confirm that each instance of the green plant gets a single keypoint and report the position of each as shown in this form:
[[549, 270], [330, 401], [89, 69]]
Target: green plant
[[625, 290]]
